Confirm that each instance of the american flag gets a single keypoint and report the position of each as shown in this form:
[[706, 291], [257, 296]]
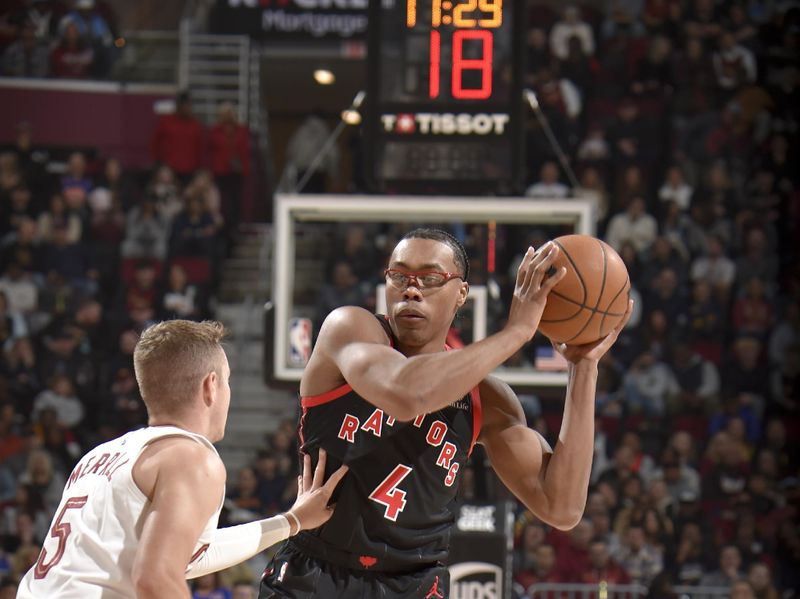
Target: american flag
[[549, 359]]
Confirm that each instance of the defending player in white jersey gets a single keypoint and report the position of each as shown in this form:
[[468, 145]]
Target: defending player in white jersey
[[139, 514]]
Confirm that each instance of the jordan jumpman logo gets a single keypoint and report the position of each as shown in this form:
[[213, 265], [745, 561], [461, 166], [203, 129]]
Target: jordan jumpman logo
[[434, 591]]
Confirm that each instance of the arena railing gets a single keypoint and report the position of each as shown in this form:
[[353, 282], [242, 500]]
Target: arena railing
[[617, 591]]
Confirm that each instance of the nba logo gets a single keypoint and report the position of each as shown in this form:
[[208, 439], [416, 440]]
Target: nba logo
[[299, 341]]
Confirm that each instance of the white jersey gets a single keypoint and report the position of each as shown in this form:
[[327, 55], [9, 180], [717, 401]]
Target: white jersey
[[89, 551]]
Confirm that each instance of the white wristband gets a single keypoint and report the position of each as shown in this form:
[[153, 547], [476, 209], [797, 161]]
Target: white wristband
[[296, 521]]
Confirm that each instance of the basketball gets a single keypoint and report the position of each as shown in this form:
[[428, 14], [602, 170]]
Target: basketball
[[591, 299]]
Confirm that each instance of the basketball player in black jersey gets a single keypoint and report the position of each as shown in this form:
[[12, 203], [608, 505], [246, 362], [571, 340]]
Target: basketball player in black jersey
[[385, 396]]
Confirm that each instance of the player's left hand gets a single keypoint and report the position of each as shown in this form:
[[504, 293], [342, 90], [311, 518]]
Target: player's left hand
[[594, 351], [311, 507]]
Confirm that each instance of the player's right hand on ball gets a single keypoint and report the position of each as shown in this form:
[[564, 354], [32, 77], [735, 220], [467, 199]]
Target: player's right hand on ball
[[532, 286], [311, 506]]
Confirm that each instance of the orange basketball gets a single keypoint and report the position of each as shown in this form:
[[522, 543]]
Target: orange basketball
[[591, 299]]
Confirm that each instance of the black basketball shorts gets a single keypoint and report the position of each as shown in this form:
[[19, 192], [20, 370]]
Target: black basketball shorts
[[293, 575]]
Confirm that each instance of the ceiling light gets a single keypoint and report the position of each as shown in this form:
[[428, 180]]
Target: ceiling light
[[324, 76], [351, 116]]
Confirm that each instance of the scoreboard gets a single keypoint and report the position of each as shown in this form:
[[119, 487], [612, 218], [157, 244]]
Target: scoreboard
[[444, 96]]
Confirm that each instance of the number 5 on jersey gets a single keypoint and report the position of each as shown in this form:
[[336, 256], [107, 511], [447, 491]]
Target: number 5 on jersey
[[60, 530], [389, 495]]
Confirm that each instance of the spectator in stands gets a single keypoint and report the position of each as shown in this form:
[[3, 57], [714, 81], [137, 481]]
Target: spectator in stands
[[272, 483], [28, 56], [642, 464], [229, 143], [548, 185], [244, 496], [653, 77], [662, 16], [70, 261], [687, 564], [698, 381], [8, 587], [715, 267], [58, 440], [676, 189], [96, 32], [193, 230], [577, 67], [303, 155], [594, 149], [630, 136], [20, 371], [46, 16], [60, 396], [244, 589], [10, 173], [344, 289], [178, 139], [667, 297], [622, 17], [756, 259], [728, 571], [356, 246], [72, 58], [594, 189], [12, 326], [702, 21], [571, 27], [538, 52], [140, 297], [633, 225], [146, 232], [734, 64], [681, 479], [602, 567], [165, 189], [19, 207], [724, 477], [785, 381], [648, 385], [202, 187], [209, 586], [43, 480], [760, 578], [638, 558], [560, 100], [572, 549], [58, 216], [76, 185], [663, 255], [744, 372], [118, 182], [180, 299], [19, 288], [541, 568], [706, 322], [752, 312]]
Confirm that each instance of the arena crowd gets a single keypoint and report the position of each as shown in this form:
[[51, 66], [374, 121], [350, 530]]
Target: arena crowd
[[681, 116]]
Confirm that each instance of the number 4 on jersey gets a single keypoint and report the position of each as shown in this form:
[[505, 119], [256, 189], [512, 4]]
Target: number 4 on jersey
[[389, 495]]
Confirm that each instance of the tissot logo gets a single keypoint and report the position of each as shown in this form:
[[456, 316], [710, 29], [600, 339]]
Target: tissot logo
[[476, 580], [446, 123]]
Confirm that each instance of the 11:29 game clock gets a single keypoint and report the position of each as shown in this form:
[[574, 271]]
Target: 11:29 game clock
[[444, 95]]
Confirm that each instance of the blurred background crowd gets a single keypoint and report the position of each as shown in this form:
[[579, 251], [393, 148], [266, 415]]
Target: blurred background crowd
[[679, 115]]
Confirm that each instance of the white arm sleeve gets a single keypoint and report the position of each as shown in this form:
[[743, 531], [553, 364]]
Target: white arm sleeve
[[234, 544]]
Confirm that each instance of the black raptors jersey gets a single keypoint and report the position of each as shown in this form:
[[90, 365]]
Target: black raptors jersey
[[394, 508]]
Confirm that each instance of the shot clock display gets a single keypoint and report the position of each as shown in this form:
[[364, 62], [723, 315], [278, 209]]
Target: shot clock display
[[471, 43], [444, 94]]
